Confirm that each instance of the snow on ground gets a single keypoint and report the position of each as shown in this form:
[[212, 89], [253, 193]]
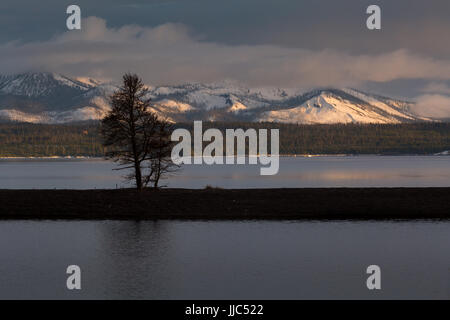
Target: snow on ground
[[379, 104], [325, 109], [237, 107], [174, 106], [88, 81], [207, 100], [275, 94]]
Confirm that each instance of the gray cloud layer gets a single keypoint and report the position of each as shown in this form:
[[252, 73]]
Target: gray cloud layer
[[170, 54], [416, 25]]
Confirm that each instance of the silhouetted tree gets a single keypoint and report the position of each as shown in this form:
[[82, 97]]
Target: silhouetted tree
[[161, 163], [134, 136]]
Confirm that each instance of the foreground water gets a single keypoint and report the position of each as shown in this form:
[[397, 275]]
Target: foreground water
[[330, 171], [228, 260], [224, 260]]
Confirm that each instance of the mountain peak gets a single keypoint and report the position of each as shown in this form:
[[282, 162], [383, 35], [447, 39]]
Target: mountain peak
[[38, 84]]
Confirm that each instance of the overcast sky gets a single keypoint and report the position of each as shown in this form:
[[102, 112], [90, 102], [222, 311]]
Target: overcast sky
[[290, 43]]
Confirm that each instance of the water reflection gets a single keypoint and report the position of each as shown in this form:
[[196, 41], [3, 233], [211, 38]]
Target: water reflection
[[224, 260], [125, 248]]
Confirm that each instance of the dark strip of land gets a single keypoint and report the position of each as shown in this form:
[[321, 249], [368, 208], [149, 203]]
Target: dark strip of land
[[83, 139], [228, 204]]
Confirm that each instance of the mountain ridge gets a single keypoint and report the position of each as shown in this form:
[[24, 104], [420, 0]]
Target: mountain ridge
[[43, 97]]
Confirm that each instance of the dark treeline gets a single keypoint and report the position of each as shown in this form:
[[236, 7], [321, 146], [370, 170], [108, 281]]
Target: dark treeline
[[38, 140], [83, 139], [414, 138]]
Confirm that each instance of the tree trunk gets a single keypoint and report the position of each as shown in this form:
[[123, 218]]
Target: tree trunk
[[138, 175], [155, 185]]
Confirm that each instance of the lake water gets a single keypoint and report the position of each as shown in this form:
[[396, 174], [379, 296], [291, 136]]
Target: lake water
[[329, 171], [228, 260], [224, 260]]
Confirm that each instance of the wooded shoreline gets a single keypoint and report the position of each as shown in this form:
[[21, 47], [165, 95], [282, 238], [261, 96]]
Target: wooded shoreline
[[83, 139], [227, 204]]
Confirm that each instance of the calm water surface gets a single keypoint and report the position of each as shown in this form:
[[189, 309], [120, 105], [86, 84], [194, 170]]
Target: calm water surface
[[349, 171], [224, 260], [228, 260]]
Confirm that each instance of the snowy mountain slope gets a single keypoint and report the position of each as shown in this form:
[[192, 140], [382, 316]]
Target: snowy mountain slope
[[39, 84], [49, 97], [346, 106], [394, 107]]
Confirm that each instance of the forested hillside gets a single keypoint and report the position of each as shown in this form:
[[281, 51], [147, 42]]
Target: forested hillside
[[26, 140], [37, 140]]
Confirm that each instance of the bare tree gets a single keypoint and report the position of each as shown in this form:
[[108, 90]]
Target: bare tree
[[161, 164], [134, 136]]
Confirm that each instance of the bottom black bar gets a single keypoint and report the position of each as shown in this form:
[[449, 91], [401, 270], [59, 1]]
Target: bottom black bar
[[228, 309]]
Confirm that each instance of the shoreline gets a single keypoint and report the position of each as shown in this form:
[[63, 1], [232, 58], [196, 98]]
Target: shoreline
[[227, 204], [53, 158], [440, 154]]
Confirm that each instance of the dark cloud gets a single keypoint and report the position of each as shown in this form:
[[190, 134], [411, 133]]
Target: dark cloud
[[416, 25]]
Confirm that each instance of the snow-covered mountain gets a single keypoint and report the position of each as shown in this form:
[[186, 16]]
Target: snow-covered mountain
[[53, 98]]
